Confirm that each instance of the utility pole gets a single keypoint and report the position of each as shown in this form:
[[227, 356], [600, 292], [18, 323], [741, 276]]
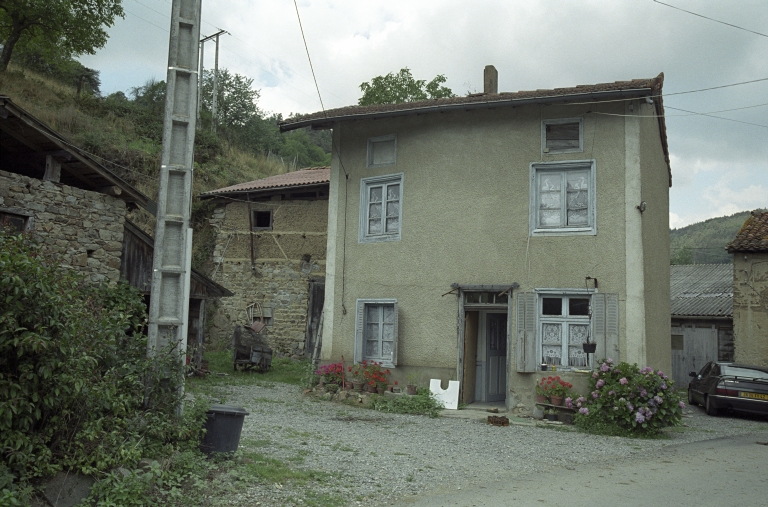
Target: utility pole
[[215, 76], [171, 266]]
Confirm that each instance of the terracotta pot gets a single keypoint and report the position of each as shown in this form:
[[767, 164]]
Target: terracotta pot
[[380, 390], [389, 388], [411, 389], [347, 386], [358, 386], [556, 400], [540, 398], [371, 388]]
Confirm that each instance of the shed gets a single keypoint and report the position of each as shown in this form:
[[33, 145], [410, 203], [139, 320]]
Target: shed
[[702, 317]]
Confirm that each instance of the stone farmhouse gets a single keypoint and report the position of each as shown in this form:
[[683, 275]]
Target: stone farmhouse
[[270, 252], [750, 290], [476, 238]]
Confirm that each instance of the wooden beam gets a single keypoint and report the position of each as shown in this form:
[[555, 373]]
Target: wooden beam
[[52, 169]]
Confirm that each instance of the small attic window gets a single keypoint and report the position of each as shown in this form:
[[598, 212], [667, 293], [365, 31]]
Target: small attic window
[[15, 221], [562, 136], [382, 150], [262, 220]]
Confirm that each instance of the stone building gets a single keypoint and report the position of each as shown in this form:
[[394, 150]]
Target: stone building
[[270, 249], [76, 208], [750, 290]]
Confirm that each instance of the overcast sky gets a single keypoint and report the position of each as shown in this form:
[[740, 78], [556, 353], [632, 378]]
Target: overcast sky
[[719, 166]]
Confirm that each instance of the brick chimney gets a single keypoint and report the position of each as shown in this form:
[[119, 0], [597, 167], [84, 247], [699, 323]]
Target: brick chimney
[[490, 80]]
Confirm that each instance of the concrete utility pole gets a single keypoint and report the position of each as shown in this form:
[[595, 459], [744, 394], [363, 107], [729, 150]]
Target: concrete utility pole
[[215, 77], [169, 302]]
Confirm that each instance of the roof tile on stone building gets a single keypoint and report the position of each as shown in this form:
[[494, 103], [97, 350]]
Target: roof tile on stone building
[[301, 178], [701, 290], [753, 236]]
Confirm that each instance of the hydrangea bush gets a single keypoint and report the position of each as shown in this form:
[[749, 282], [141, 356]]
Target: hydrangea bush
[[627, 400]]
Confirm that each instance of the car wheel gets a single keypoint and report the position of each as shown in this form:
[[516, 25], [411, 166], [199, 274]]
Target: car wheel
[[711, 410], [690, 398]]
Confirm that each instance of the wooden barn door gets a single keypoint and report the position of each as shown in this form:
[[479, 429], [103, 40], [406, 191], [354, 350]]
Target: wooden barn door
[[314, 312]]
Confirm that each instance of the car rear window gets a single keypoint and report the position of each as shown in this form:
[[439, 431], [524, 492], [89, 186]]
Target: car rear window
[[744, 372]]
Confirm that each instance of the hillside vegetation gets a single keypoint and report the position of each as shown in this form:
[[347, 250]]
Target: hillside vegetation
[[125, 133], [704, 242]]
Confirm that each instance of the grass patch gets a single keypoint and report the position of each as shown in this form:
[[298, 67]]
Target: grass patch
[[269, 469], [284, 370], [423, 403]]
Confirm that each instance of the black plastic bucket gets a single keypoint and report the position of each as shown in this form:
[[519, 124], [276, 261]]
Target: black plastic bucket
[[223, 426]]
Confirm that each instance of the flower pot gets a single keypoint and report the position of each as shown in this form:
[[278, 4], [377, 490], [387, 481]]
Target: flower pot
[[411, 389], [556, 400], [358, 386], [380, 390], [347, 386], [540, 398], [371, 388], [396, 389], [589, 347], [389, 388], [551, 417]]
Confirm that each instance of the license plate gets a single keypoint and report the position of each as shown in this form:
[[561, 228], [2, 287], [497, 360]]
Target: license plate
[[756, 396]]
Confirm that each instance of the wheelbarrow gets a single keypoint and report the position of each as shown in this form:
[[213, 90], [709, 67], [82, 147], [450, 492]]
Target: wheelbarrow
[[249, 347]]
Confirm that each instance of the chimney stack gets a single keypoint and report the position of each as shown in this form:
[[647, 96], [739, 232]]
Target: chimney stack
[[490, 80]]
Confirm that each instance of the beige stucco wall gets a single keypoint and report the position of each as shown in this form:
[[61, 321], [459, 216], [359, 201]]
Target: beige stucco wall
[[285, 258], [750, 308], [465, 219], [82, 229], [655, 234]]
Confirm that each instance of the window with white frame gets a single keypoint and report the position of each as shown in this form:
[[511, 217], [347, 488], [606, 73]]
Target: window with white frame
[[564, 135], [376, 331], [381, 200], [565, 325], [563, 198], [382, 150]]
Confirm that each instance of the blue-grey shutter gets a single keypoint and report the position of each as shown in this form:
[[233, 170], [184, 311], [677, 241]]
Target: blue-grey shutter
[[598, 325], [359, 330], [397, 338], [605, 324], [612, 326], [525, 353]]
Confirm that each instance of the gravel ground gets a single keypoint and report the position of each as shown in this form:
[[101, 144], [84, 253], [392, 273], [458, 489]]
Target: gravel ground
[[371, 456]]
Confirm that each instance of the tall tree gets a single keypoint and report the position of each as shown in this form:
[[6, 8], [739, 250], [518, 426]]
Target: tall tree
[[62, 27], [402, 87]]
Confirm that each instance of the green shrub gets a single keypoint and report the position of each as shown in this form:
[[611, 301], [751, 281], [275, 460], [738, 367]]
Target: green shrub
[[77, 391], [423, 403], [628, 401]]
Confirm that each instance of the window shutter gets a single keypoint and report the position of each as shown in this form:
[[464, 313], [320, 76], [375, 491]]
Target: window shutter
[[612, 326], [526, 332], [359, 330], [397, 339], [598, 325]]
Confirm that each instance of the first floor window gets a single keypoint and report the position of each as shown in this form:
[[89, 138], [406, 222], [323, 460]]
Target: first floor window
[[563, 198], [14, 221], [381, 208], [382, 150], [565, 325], [376, 335]]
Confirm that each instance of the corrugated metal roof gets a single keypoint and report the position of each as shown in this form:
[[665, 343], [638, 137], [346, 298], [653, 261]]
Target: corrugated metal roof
[[312, 176], [704, 290], [753, 236]]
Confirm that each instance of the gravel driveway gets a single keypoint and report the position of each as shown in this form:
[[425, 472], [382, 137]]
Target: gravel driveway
[[368, 457]]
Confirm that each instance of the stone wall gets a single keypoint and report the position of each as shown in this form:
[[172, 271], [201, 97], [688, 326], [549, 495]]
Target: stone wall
[[285, 259], [83, 229]]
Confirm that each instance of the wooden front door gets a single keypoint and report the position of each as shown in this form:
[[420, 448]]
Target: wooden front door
[[496, 356], [314, 313]]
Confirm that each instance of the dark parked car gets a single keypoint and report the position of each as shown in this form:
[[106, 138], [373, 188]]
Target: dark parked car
[[731, 386]]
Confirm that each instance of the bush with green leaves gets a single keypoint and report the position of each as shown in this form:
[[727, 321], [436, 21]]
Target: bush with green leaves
[[77, 391], [626, 400]]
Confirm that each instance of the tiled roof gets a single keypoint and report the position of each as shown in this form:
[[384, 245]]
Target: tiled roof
[[703, 290], [602, 91], [312, 176], [753, 236]]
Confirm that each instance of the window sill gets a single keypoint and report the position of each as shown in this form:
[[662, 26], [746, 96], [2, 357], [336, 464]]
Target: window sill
[[575, 231], [379, 239]]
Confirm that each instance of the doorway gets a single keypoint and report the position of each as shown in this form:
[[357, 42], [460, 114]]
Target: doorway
[[485, 357]]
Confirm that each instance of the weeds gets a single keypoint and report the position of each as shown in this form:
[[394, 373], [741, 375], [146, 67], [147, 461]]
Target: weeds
[[423, 403]]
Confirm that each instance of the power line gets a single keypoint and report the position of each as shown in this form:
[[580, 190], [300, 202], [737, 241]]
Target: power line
[[311, 67], [718, 117], [712, 19]]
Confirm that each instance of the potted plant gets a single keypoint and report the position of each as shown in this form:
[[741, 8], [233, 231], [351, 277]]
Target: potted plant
[[559, 389], [356, 375], [542, 390], [395, 387], [551, 414], [411, 380], [589, 347]]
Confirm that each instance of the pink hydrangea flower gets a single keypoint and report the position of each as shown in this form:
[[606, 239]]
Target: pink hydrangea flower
[[600, 383], [623, 381], [584, 410]]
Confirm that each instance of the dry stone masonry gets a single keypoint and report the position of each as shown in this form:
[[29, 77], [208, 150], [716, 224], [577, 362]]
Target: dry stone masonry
[[83, 229]]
